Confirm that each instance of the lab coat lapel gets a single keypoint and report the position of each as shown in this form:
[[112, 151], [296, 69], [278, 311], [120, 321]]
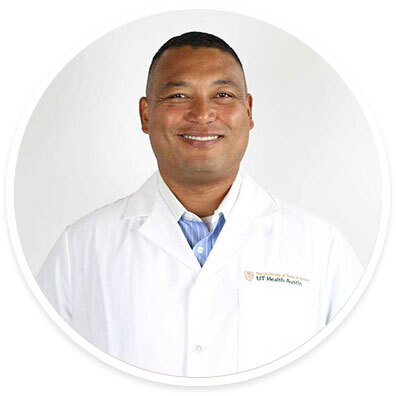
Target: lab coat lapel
[[159, 226], [254, 207], [162, 229]]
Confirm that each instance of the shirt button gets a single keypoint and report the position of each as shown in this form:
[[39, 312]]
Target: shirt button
[[198, 348], [200, 249]]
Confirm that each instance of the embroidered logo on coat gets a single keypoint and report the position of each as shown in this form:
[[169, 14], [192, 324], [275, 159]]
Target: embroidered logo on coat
[[271, 277], [249, 275]]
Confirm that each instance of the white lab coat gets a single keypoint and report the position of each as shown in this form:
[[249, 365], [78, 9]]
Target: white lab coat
[[125, 278]]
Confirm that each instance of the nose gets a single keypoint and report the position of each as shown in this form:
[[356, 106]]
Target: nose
[[201, 111]]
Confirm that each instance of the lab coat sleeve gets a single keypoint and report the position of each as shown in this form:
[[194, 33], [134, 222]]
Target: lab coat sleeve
[[54, 277], [343, 274]]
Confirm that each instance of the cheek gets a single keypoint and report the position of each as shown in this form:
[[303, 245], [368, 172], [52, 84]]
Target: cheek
[[164, 118], [235, 116], [237, 122]]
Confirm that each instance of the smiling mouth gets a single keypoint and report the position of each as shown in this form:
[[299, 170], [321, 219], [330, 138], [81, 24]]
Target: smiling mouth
[[201, 138]]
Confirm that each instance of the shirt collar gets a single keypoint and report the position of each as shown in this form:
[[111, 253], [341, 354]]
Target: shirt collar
[[178, 210]]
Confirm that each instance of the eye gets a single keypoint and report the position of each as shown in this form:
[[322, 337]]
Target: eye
[[177, 96], [224, 95]]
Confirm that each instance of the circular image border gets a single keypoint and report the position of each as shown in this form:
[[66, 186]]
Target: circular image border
[[200, 381]]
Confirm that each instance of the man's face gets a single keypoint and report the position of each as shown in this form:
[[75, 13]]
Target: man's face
[[197, 113]]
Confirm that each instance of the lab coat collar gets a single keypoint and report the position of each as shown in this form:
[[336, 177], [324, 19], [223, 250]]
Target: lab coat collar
[[178, 210], [252, 207], [158, 223], [252, 212], [142, 202]]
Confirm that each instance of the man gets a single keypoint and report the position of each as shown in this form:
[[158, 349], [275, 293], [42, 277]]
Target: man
[[200, 272]]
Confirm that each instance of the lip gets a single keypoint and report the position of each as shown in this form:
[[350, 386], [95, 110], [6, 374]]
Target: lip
[[200, 143], [200, 134]]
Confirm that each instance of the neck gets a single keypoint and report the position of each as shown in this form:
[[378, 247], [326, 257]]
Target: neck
[[201, 196]]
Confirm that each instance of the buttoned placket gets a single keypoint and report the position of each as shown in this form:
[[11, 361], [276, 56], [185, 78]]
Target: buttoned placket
[[197, 353], [212, 325], [202, 346]]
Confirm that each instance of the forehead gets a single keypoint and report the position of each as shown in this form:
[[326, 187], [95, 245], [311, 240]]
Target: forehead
[[187, 63]]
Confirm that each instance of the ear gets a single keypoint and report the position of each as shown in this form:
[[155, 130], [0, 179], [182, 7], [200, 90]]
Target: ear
[[144, 113], [249, 100]]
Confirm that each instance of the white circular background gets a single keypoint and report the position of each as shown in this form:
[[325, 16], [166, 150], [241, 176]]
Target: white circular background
[[312, 145]]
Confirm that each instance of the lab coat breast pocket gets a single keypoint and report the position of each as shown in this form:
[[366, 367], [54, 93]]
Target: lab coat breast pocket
[[275, 317]]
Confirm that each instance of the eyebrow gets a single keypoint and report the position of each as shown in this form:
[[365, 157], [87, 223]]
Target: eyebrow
[[172, 84], [225, 82]]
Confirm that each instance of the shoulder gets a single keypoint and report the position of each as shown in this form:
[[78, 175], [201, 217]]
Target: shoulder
[[302, 233], [303, 227], [104, 219], [263, 203], [111, 216], [292, 222], [297, 216]]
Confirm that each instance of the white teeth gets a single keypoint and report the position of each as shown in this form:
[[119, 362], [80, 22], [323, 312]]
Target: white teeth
[[201, 137]]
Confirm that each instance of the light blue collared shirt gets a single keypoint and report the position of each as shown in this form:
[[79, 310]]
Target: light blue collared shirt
[[201, 234], [200, 239]]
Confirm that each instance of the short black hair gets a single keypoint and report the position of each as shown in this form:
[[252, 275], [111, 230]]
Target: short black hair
[[195, 40]]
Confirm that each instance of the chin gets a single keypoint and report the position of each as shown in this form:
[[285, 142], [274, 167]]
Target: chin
[[201, 169]]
